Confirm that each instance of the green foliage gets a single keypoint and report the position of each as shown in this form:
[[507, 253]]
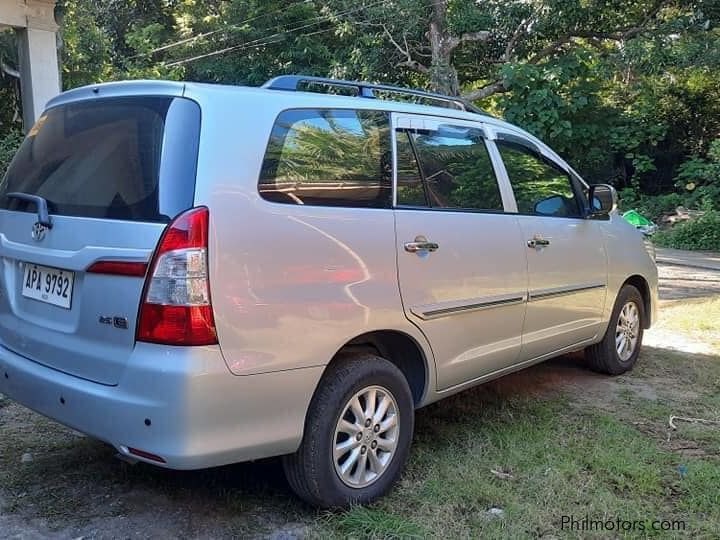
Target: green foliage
[[699, 178], [651, 206], [86, 47], [639, 112], [9, 144], [9, 85], [702, 233]]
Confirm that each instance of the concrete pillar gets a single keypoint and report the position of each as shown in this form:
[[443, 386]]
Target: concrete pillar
[[39, 71]]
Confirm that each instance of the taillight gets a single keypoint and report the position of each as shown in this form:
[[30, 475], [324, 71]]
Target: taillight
[[176, 308]]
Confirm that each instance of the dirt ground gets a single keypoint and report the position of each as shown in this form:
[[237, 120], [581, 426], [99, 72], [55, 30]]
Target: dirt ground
[[679, 282], [79, 491]]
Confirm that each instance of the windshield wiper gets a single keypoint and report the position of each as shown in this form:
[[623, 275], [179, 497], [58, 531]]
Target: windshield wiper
[[40, 203]]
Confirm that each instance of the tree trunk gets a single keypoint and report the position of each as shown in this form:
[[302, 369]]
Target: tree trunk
[[443, 75]]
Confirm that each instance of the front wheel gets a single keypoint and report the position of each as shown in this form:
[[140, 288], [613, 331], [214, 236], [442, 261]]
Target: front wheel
[[619, 349], [357, 434]]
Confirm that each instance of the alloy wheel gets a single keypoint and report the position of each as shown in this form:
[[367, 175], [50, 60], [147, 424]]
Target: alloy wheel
[[366, 436], [627, 331]]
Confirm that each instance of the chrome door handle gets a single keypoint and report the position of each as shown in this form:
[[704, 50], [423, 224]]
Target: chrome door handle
[[420, 245], [537, 241]]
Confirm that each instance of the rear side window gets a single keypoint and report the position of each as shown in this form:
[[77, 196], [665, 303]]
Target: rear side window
[[541, 188], [102, 159], [329, 157], [455, 167]]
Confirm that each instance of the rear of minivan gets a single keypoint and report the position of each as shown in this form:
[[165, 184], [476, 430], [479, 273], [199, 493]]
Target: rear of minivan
[[106, 321], [113, 173]]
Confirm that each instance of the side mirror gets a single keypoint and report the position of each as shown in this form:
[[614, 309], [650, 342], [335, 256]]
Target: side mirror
[[603, 200], [552, 206]]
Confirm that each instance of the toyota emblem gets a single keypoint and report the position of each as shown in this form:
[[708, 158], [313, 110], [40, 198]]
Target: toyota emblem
[[38, 231]]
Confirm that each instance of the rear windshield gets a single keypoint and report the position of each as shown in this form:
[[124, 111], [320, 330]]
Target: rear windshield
[[130, 158]]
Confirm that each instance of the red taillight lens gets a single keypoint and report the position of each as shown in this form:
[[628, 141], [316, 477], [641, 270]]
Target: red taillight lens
[[177, 325], [119, 268], [176, 308]]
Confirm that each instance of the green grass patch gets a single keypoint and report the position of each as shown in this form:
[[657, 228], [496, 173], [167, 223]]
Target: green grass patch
[[563, 461], [699, 320]]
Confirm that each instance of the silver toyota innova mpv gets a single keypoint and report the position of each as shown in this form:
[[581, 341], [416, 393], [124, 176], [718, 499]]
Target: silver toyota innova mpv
[[202, 275]]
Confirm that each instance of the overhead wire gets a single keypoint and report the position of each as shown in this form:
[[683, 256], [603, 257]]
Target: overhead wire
[[266, 40], [234, 26]]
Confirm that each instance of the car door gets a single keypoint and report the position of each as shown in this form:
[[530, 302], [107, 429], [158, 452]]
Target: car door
[[566, 259], [461, 260]]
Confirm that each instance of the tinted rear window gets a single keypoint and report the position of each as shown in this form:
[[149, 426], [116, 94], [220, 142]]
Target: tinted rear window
[[102, 159], [330, 158]]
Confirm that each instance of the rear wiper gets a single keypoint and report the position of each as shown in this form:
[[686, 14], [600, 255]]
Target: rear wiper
[[40, 203]]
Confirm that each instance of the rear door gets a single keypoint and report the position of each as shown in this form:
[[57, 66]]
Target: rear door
[[112, 173], [566, 261], [461, 261]]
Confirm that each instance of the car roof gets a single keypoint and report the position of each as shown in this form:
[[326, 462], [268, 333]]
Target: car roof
[[296, 99], [290, 99]]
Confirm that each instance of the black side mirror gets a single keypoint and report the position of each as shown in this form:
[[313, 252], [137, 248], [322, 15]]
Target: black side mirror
[[603, 200]]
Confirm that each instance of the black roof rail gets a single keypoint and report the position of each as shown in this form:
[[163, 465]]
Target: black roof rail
[[366, 90]]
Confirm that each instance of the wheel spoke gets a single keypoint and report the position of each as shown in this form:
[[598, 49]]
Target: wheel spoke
[[386, 445], [342, 448], [357, 410], [348, 427], [359, 474], [389, 422], [370, 400], [382, 409], [621, 347], [374, 462], [347, 465]]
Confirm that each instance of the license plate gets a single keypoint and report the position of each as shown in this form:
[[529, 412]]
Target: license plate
[[49, 285]]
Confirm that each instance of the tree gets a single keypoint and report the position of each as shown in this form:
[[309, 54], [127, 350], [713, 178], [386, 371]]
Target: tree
[[463, 46], [626, 90]]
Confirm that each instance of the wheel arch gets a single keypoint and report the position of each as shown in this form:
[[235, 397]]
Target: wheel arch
[[398, 348], [641, 284]]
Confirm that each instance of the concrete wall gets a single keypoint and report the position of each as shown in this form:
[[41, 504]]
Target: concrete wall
[[34, 22]]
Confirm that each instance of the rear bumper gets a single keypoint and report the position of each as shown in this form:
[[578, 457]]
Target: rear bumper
[[200, 415]]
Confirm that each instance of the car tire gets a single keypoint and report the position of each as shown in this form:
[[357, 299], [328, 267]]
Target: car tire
[[322, 471], [619, 349]]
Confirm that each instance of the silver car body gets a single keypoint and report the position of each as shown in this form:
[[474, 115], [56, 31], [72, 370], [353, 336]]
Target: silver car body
[[291, 286]]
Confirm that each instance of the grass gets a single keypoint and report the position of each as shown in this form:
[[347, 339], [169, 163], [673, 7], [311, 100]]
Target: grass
[[573, 444], [699, 320], [564, 460]]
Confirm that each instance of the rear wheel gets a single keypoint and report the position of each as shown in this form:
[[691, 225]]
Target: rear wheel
[[357, 434], [619, 349]]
